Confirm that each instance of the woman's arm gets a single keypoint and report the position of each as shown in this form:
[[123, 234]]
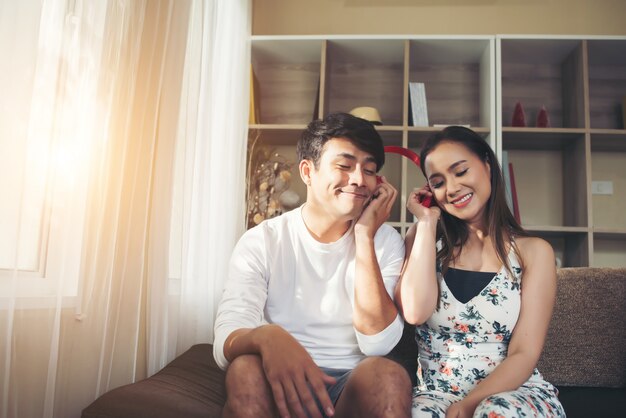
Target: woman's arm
[[538, 296], [416, 292]]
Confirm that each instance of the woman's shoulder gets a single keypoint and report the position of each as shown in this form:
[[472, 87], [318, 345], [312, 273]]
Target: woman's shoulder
[[533, 249]]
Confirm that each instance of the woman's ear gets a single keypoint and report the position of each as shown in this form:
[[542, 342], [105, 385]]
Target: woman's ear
[[306, 167]]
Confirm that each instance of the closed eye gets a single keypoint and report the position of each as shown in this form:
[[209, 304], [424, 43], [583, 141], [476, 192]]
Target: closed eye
[[436, 185], [462, 172]]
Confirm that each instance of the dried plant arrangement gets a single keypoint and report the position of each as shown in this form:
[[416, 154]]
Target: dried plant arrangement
[[269, 177]]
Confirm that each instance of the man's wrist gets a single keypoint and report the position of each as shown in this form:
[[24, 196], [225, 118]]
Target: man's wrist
[[363, 233]]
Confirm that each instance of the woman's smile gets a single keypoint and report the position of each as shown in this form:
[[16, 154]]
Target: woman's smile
[[463, 200]]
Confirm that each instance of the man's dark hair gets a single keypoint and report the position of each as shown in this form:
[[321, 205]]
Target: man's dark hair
[[340, 125]]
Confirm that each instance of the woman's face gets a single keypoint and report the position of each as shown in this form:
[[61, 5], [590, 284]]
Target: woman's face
[[459, 180]]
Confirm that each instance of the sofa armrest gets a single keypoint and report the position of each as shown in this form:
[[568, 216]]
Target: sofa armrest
[[192, 385]]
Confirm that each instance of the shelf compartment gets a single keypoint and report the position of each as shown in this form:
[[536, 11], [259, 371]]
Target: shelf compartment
[[288, 77], [418, 135], [607, 83], [543, 72], [550, 170], [609, 249], [458, 78], [274, 135], [365, 72], [608, 210], [392, 170], [571, 245]]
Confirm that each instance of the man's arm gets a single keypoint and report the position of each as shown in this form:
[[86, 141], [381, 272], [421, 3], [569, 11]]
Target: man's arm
[[240, 330], [376, 319], [244, 296]]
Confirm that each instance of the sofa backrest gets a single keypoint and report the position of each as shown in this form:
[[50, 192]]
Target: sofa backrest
[[586, 342]]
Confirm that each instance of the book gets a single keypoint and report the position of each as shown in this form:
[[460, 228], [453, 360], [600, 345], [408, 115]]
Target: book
[[507, 180], [417, 103], [253, 117], [516, 213], [316, 106]]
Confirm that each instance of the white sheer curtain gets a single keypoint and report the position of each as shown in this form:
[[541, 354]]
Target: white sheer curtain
[[210, 161], [122, 165]]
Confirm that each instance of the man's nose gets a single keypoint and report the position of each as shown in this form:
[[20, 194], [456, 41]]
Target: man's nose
[[357, 177]]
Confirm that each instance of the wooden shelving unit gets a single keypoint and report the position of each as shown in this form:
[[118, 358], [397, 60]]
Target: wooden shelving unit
[[475, 80], [581, 82]]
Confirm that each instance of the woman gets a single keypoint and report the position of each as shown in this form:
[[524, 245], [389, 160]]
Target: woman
[[478, 287]]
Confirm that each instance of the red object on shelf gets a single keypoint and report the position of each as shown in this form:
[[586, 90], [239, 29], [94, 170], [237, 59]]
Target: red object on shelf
[[516, 213], [519, 117], [428, 201], [543, 120]]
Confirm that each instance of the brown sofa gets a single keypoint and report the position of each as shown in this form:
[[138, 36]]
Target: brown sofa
[[584, 355]]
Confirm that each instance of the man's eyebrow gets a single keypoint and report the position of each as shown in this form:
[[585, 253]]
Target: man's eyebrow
[[347, 155], [452, 167]]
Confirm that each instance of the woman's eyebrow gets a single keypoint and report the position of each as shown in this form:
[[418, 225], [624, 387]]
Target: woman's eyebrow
[[451, 168]]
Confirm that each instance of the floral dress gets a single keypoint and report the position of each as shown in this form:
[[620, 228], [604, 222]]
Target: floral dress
[[462, 343]]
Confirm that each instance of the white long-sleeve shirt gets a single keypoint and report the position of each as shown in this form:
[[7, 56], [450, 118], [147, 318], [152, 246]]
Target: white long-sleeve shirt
[[280, 274]]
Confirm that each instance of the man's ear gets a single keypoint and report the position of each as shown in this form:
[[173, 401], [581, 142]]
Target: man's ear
[[306, 168]]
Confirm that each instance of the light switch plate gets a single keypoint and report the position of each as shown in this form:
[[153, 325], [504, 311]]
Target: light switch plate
[[602, 187]]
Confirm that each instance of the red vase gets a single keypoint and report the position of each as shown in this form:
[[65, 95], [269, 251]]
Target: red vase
[[519, 117], [543, 120]]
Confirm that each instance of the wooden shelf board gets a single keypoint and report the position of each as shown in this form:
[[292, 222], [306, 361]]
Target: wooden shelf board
[[557, 230]]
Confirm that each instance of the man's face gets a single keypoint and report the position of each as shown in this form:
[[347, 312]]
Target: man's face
[[344, 180]]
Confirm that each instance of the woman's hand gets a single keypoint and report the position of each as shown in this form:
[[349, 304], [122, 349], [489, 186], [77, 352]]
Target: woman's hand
[[460, 409], [414, 205]]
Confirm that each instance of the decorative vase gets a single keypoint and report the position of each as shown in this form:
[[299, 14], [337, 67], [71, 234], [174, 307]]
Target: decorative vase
[[519, 117], [543, 120]]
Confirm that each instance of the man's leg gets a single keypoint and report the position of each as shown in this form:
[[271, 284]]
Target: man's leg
[[377, 387], [247, 392]]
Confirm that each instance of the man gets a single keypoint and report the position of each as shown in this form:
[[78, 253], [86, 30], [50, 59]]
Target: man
[[308, 293]]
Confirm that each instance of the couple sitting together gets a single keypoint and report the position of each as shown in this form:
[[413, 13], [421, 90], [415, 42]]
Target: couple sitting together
[[317, 297]]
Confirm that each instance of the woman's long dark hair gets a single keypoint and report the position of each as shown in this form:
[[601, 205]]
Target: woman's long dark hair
[[502, 226]]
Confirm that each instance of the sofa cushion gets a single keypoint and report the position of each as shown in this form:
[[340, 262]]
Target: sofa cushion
[[190, 386], [590, 308]]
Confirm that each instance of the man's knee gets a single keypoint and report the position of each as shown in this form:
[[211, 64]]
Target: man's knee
[[247, 392], [387, 375], [244, 371], [380, 386]]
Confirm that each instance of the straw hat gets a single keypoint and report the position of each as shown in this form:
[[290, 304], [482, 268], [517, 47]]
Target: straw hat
[[368, 113]]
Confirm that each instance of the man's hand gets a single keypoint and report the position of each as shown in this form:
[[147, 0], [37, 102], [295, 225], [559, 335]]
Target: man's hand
[[293, 376], [377, 210]]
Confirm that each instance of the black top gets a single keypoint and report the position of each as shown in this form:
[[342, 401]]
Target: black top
[[465, 284]]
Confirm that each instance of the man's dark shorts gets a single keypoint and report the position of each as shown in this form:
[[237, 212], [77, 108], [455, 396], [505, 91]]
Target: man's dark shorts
[[341, 375]]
